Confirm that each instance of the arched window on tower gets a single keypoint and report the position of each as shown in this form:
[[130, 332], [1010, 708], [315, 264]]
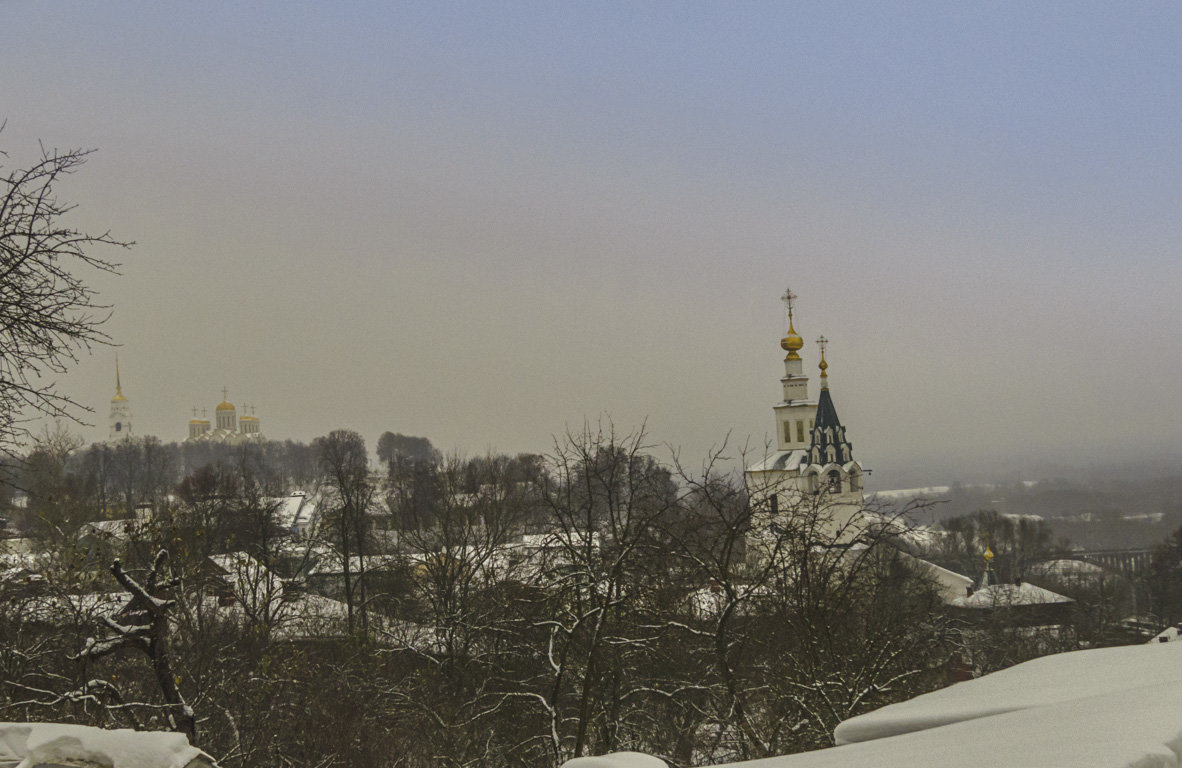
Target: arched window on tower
[[834, 481]]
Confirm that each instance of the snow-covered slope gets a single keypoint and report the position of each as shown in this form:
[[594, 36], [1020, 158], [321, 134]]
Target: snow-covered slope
[[1103, 708], [32, 745], [1062, 677]]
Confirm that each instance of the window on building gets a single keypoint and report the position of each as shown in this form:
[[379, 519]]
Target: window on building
[[800, 431], [787, 432], [118, 426]]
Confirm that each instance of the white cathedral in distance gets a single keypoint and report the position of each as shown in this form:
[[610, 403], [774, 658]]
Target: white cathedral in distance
[[230, 428]]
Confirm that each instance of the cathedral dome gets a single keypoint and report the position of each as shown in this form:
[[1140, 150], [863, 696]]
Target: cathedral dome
[[225, 406]]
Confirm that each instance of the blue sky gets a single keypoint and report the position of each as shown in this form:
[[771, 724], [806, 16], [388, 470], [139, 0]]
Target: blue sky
[[483, 222]]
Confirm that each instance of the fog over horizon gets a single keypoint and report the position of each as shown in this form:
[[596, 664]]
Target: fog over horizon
[[485, 224]]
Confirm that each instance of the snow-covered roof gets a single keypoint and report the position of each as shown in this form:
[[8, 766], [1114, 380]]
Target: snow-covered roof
[[910, 493], [950, 583], [1100, 708], [32, 745], [250, 579], [780, 461], [333, 564], [19, 564], [115, 529], [1009, 596], [1066, 568], [63, 609], [295, 510]]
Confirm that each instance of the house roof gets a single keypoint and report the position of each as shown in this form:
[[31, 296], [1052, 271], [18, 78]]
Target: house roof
[[1009, 596]]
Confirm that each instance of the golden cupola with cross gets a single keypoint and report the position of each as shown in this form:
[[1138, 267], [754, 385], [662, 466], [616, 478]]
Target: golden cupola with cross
[[228, 427], [226, 414]]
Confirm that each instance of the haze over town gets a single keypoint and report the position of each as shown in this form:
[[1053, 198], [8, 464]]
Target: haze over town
[[485, 223]]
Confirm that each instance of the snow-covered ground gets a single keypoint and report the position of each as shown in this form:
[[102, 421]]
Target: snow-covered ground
[[50, 745], [1102, 708]]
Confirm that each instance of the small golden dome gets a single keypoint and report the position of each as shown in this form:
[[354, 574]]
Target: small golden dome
[[225, 406], [118, 398]]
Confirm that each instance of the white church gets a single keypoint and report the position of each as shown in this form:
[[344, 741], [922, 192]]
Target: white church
[[813, 459], [230, 428]]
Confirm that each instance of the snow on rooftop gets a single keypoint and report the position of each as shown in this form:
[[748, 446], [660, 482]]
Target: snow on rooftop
[[1101, 708], [50, 745], [1066, 568], [911, 493], [294, 511], [1008, 596]]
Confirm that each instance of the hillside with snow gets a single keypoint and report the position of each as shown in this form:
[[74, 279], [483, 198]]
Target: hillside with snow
[[1102, 708]]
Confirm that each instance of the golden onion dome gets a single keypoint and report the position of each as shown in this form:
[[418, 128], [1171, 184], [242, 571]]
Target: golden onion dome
[[118, 398], [792, 343], [225, 406]]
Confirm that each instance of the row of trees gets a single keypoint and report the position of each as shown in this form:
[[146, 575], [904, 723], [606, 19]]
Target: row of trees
[[631, 616]]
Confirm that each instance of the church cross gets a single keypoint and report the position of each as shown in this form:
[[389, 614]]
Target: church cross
[[821, 342], [194, 411], [223, 394], [788, 298]]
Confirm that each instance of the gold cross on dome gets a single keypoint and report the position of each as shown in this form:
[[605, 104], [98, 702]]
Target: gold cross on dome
[[821, 342], [224, 394], [788, 298]]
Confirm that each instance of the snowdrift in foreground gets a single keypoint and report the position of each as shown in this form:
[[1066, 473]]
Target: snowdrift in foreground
[[30, 745], [1052, 679], [1103, 708]]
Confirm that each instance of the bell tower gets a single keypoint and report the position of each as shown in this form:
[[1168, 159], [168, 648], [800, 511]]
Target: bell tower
[[120, 419], [795, 413]]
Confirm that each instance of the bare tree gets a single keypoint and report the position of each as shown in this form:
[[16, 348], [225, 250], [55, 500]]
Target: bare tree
[[48, 314], [350, 493], [143, 625]]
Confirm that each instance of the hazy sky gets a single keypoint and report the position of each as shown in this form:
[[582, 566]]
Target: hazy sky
[[483, 222]]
